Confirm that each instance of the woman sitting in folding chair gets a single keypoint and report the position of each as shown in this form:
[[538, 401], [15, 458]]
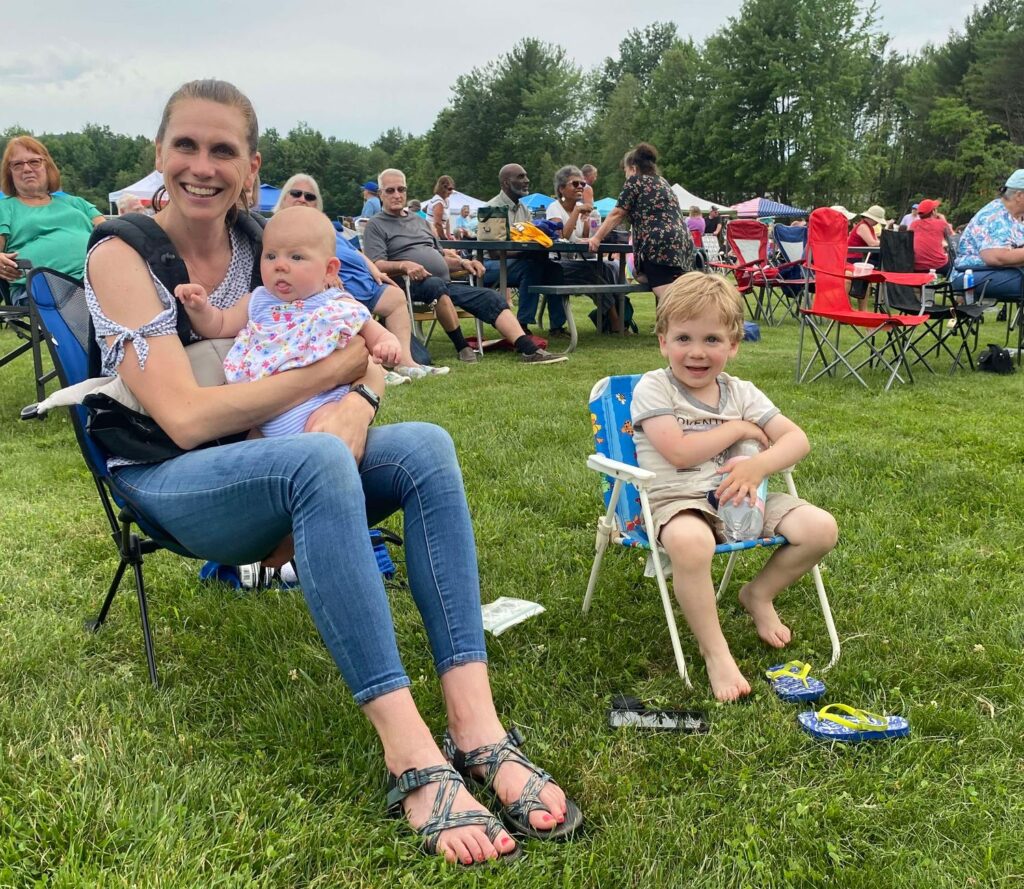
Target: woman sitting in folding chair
[[235, 503]]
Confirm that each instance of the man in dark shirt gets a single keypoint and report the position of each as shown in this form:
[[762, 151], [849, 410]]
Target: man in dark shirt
[[402, 243]]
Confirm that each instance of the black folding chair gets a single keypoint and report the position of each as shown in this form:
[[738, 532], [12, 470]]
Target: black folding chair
[[18, 317], [896, 253], [58, 302]]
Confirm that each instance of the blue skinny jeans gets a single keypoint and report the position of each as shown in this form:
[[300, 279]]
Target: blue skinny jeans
[[235, 503]]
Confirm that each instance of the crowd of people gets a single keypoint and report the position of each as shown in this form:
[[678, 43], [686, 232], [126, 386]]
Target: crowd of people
[[319, 471]]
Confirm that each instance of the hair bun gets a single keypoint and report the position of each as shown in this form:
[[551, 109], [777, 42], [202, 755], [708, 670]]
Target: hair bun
[[646, 152]]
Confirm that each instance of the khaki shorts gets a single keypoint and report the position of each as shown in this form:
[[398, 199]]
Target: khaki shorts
[[776, 507]]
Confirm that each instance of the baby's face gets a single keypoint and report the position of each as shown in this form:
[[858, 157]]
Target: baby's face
[[294, 264]]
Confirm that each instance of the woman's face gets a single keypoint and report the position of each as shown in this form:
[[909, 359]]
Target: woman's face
[[28, 169], [572, 191], [205, 159], [306, 197]]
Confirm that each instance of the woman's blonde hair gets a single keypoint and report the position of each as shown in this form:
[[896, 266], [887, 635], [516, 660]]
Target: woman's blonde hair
[[290, 184], [700, 295], [28, 143]]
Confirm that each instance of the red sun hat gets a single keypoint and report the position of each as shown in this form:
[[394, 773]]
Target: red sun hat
[[927, 206]]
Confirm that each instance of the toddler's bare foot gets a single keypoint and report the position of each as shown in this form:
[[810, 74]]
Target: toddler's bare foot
[[771, 630], [727, 682]]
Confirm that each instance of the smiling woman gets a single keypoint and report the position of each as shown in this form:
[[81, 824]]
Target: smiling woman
[[314, 495], [37, 225]]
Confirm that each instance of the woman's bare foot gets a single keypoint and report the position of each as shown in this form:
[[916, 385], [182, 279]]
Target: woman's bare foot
[[769, 627], [511, 778], [727, 682], [464, 844]]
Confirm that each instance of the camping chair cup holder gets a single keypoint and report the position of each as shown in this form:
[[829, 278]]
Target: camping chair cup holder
[[627, 508]]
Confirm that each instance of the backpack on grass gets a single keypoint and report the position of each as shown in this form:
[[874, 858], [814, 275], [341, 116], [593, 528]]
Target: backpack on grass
[[996, 360], [606, 322]]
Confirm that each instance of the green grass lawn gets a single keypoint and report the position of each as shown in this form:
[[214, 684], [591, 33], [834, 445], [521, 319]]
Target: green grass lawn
[[252, 767]]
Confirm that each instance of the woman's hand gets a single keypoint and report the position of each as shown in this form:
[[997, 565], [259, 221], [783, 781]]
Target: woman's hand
[[9, 270], [593, 243], [348, 419]]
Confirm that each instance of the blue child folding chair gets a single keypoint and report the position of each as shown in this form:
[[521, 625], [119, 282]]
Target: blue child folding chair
[[628, 510]]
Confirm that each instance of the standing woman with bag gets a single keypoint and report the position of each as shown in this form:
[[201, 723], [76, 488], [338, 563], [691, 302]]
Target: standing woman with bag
[[235, 503]]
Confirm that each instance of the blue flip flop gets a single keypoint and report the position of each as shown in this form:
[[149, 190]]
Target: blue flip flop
[[839, 722], [792, 682]]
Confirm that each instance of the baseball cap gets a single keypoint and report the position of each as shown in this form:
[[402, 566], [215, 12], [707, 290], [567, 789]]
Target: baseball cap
[[927, 206], [915, 206], [1016, 179], [370, 186]]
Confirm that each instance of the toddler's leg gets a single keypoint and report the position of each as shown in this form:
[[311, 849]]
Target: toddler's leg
[[691, 546], [811, 533]]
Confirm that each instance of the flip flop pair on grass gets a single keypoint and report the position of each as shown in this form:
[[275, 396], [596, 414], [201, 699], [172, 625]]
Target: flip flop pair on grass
[[793, 683]]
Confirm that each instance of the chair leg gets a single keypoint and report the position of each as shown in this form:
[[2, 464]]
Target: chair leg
[[605, 530], [93, 625], [140, 590], [666, 599], [727, 576]]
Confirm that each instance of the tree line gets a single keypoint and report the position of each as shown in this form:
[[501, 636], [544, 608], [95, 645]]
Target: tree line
[[800, 100]]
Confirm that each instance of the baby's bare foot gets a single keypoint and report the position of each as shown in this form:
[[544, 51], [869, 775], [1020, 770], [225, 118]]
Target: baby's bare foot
[[769, 627], [727, 682]]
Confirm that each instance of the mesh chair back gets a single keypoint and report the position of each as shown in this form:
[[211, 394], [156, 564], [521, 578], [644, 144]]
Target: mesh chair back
[[610, 401], [826, 250], [792, 243], [64, 317], [896, 254], [749, 240]]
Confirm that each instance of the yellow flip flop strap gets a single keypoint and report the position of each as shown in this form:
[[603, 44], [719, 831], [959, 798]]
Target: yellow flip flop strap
[[860, 719], [796, 669]]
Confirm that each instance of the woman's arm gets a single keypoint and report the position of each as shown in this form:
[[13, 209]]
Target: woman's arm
[[867, 234], [611, 220], [1003, 256], [188, 413]]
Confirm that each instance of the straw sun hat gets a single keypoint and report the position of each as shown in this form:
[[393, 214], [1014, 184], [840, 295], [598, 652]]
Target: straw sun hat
[[875, 214]]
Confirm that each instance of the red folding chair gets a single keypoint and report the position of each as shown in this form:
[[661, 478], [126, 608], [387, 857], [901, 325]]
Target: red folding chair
[[830, 311], [748, 240]]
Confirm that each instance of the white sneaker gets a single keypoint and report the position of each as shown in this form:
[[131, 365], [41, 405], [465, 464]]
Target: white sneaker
[[414, 372], [393, 379]]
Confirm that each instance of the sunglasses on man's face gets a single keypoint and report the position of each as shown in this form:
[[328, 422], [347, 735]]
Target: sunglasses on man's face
[[392, 189], [299, 193]]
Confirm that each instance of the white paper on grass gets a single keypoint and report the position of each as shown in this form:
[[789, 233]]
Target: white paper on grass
[[505, 612]]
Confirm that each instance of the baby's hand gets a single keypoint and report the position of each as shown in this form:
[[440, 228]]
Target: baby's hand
[[191, 296], [387, 350]]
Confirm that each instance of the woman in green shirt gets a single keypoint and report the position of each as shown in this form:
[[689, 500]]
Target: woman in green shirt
[[48, 229]]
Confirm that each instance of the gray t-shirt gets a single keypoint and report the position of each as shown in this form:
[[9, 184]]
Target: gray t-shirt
[[398, 238], [658, 394]]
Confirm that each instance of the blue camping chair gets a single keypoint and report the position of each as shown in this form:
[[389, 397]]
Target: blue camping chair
[[789, 289], [628, 511]]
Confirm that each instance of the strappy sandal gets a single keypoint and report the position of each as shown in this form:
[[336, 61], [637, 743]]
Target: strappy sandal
[[442, 818], [516, 815]]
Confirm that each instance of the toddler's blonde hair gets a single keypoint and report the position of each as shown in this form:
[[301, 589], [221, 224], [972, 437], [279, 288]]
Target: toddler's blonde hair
[[699, 295]]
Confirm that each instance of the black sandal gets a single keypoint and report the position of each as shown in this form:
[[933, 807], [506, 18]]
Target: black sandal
[[516, 815], [442, 818]]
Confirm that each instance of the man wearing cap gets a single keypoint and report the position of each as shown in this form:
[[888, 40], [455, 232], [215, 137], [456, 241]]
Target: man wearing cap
[[906, 221], [993, 244], [931, 233], [371, 202]]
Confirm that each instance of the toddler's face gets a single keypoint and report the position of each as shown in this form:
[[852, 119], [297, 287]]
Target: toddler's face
[[697, 350], [294, 265]]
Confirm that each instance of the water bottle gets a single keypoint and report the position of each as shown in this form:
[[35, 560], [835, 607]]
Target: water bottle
[[969, 287], [595, 221], [928, 292], [744, 521]]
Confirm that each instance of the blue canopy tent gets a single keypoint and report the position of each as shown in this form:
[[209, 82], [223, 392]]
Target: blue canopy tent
[[605, 206], [536, 201], [269, 197], [756, 207]]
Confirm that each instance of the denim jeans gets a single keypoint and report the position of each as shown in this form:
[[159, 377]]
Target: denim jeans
[[235, 503], [523, 274], [1003, 284]]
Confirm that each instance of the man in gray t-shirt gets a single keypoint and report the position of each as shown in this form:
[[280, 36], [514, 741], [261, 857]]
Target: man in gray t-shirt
[[402, 243]]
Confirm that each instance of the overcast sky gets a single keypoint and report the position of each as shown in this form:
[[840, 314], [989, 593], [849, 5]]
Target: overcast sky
[[350, 70]]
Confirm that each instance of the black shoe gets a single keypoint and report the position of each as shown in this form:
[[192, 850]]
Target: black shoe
[[542, 356], [558, 333]]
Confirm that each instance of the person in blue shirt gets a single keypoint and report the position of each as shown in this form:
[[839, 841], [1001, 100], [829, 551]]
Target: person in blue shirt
[[992, 245], [364, 282], [371, 201]]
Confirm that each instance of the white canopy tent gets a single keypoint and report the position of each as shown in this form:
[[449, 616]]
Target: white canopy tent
[[144, 188], [457, 200], [688, 199]]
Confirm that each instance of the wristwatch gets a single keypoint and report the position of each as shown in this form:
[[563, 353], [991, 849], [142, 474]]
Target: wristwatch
[[371, 396]]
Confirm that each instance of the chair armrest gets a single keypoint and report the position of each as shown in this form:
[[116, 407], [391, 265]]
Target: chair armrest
[[616, 469]]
